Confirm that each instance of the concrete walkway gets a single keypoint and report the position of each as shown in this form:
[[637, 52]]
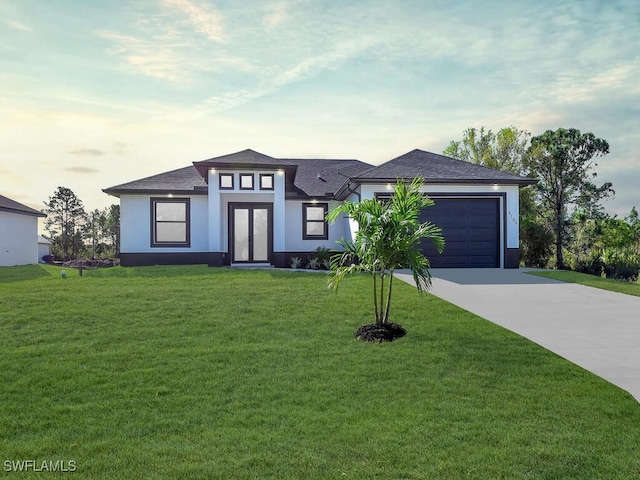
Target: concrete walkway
[[595, 329]]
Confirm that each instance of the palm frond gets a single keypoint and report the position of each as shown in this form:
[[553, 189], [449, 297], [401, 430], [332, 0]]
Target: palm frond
[[388, 237]]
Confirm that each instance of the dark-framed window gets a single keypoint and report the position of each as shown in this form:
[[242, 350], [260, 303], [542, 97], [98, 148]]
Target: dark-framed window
[[314, 224], [170, 222], [266, 181], [225, 181], [246, 181], [384, 197]]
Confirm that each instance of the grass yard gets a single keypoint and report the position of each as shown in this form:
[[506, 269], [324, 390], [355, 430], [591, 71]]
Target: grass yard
[[620, 286], [197, 372]]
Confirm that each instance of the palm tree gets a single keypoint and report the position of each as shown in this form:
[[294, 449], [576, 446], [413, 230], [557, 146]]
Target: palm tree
[[388, 237]]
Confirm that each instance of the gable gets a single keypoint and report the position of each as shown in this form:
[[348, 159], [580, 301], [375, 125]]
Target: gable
[[434, 168], [182, 181], [11, 206], [306, 178]]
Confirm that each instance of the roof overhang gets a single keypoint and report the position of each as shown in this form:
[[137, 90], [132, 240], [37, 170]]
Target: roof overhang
[[344, 190], [132, 191], [204, 167], [23, 212]]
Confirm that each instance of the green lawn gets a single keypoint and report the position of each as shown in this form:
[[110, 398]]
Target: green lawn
[[611, 284], [197, 372]]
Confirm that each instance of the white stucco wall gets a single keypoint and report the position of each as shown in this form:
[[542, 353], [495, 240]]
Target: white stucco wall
[[287, 214], [44, 248], [293, 238], [218, 204], [209, 215], [513, 216], [135, 224], [18, 239]]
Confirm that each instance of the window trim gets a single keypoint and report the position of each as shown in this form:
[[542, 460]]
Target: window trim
[[267, 175], [383, 196], [154, 201], [226, 175], [247, 175], [325, 234]]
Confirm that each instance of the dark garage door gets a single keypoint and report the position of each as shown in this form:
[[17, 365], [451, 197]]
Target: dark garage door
[[471, 230]]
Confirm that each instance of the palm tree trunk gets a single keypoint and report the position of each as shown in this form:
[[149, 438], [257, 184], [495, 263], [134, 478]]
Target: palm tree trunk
[[380, 320], [375, 295], [386, 313]]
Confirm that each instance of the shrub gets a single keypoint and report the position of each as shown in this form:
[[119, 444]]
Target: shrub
[[321, 260], [537, 244], [296, 262]]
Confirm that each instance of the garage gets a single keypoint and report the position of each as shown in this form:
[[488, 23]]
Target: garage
[[471, 229]]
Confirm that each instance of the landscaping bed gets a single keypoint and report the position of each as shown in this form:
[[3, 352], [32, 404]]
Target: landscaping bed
[[92, 263]]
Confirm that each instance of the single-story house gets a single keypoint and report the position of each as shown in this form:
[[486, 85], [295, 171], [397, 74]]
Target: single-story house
[[18, 233], [247, 207], [44, 248]]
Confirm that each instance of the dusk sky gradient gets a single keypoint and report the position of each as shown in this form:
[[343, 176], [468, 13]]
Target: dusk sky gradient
[[94, 94]]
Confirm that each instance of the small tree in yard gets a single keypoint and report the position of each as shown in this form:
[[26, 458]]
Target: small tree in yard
[[388, 238], [103, 231], [65, 218]]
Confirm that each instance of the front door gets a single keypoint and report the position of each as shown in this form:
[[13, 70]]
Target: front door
[[250, 227]]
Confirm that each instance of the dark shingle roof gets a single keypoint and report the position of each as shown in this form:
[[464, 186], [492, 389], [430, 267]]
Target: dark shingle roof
[[311, 177], [318, 177], [306, 177], [322, 177], [181, 181], [245, 159], [11, 206], [434, 168]]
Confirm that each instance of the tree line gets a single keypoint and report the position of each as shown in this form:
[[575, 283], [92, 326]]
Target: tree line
[[562, 221], [75, 233]]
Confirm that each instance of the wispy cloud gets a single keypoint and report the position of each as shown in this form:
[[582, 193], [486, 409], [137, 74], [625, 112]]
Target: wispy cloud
[[275, 14], [18, 26], [120, 147], [81, 170], [303, 69], [621, 79], [153, 58], [167, 44], [87, 152], [117, 148], [203, 17]]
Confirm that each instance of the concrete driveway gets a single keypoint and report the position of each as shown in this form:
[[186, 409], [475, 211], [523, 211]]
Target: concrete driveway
[[595, 329]]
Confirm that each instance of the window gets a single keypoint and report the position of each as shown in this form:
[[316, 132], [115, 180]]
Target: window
[[384, 197], [226, 181], [314, 225], [266, 181], [170, 222], [246, 181]]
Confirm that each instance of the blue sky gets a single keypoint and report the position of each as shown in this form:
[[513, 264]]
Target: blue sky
[[93, 94]]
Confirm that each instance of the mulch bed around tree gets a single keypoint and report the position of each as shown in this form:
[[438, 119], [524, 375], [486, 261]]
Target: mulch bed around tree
[[387, 332], [92, 263]]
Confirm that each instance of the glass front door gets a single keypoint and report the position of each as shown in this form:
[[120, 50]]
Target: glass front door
[[250, 232]]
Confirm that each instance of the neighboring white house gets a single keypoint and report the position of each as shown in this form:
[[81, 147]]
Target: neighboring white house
[[18, 233], [248, 207], [44, 247]]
